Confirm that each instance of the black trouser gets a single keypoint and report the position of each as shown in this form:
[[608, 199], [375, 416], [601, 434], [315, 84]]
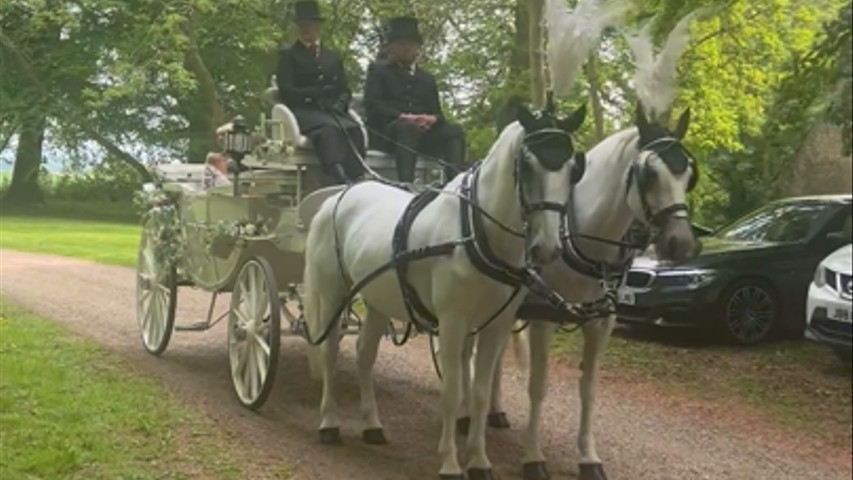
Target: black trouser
[[333, 149], [444, 140]]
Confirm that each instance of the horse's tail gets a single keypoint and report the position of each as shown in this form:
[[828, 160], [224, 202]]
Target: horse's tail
[[323, 284], [521, 348]]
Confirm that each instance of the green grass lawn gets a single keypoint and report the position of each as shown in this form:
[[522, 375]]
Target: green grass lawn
[[106, 233], [68, 409], [110, 243]]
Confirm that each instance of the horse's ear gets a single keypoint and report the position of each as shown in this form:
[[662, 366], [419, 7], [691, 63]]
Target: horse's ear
[[642, 120], [574, 122], [508, 113], [527, 119], [683, 125]]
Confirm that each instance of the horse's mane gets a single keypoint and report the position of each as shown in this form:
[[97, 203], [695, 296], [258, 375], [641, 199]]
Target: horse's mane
[[509, 140], [614, 148]]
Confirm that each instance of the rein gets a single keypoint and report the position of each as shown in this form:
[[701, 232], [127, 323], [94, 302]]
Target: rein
[[474, 241]]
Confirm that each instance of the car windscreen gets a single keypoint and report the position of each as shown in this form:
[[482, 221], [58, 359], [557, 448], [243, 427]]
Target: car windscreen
[[780, 223]]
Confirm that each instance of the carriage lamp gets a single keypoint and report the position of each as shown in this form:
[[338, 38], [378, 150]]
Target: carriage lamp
[[238, 141], [238, 144]]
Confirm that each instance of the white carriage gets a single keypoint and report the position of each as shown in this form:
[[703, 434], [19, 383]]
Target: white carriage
[[245, 238]]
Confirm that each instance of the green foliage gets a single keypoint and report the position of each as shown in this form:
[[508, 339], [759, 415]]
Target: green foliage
[[163, 74], [109, 181]]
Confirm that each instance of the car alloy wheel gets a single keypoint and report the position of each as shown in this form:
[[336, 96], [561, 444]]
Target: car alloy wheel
[[750, 314]]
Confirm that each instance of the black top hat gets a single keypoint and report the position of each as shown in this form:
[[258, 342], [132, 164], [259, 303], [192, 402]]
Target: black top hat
[[308, 11], [403, 28]]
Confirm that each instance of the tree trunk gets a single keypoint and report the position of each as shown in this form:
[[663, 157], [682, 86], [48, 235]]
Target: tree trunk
[[202, 132], [595, 96], [28, 157], [521, 54], [537, 53]]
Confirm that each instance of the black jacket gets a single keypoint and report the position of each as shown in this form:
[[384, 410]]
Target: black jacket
[[392, 90], [311, 86]]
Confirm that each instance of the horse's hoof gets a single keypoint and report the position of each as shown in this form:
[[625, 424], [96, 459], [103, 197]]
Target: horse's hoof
[[457, 476], [480, 474], [374, 436], [535, 471], [499, 421], [331, 436], [463, 425], [592, 471]]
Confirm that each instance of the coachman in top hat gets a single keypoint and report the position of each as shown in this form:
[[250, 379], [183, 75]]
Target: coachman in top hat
[[312, 82], [403, 105]]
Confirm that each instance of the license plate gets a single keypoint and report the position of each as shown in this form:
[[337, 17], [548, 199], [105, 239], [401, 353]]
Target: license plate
[[842, 314], [627, 297]]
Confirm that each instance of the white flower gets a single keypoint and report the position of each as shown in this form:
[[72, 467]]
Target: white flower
[[251, 230]]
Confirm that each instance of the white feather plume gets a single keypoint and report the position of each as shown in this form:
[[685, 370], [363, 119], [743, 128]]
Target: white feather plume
[[656, 77], [573, 35]]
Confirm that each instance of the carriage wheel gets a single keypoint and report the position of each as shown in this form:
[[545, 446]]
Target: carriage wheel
[[156, 297], [254, 332]]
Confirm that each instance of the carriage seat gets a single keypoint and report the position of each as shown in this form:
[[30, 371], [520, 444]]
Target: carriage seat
[[285, 127]]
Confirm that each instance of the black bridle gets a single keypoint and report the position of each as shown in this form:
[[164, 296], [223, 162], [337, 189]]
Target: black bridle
[[531, 139], [653, 221], [656, 221]]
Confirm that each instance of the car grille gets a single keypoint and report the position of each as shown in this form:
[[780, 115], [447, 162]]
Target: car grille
[[639, 279], [833, 328]]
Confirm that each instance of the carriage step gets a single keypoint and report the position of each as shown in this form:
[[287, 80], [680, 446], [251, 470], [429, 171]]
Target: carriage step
[[198, 327]]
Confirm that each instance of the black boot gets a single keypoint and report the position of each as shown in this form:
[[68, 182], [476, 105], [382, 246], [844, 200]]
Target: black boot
[[406, 164], [455, 159], [338, 175]]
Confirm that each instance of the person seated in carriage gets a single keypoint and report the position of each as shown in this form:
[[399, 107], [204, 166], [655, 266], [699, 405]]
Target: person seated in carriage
[[312, 83], [403, 108]]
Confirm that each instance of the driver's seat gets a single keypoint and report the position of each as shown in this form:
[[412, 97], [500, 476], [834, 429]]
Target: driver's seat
[[285, 127]]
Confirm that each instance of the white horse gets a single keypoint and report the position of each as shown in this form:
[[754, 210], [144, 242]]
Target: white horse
[[646, 174], [525, 178]]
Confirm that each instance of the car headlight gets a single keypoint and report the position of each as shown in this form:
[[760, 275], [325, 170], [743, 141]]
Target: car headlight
[[688, 279], [820, 277]]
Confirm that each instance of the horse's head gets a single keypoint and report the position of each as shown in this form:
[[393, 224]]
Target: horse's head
[[658, 183], [546, 170]]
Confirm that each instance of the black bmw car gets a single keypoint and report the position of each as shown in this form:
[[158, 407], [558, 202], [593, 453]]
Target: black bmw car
[[752, 278]]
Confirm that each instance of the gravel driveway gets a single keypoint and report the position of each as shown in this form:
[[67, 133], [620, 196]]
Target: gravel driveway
[[638, 437]]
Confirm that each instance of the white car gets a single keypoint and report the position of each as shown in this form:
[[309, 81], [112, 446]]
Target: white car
[[830, 303]]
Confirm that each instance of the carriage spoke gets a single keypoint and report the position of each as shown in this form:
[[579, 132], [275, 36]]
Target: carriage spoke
[[250, 374], [239, 365], [262, 344], [152, 322], [242, 319], [262, 358]]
